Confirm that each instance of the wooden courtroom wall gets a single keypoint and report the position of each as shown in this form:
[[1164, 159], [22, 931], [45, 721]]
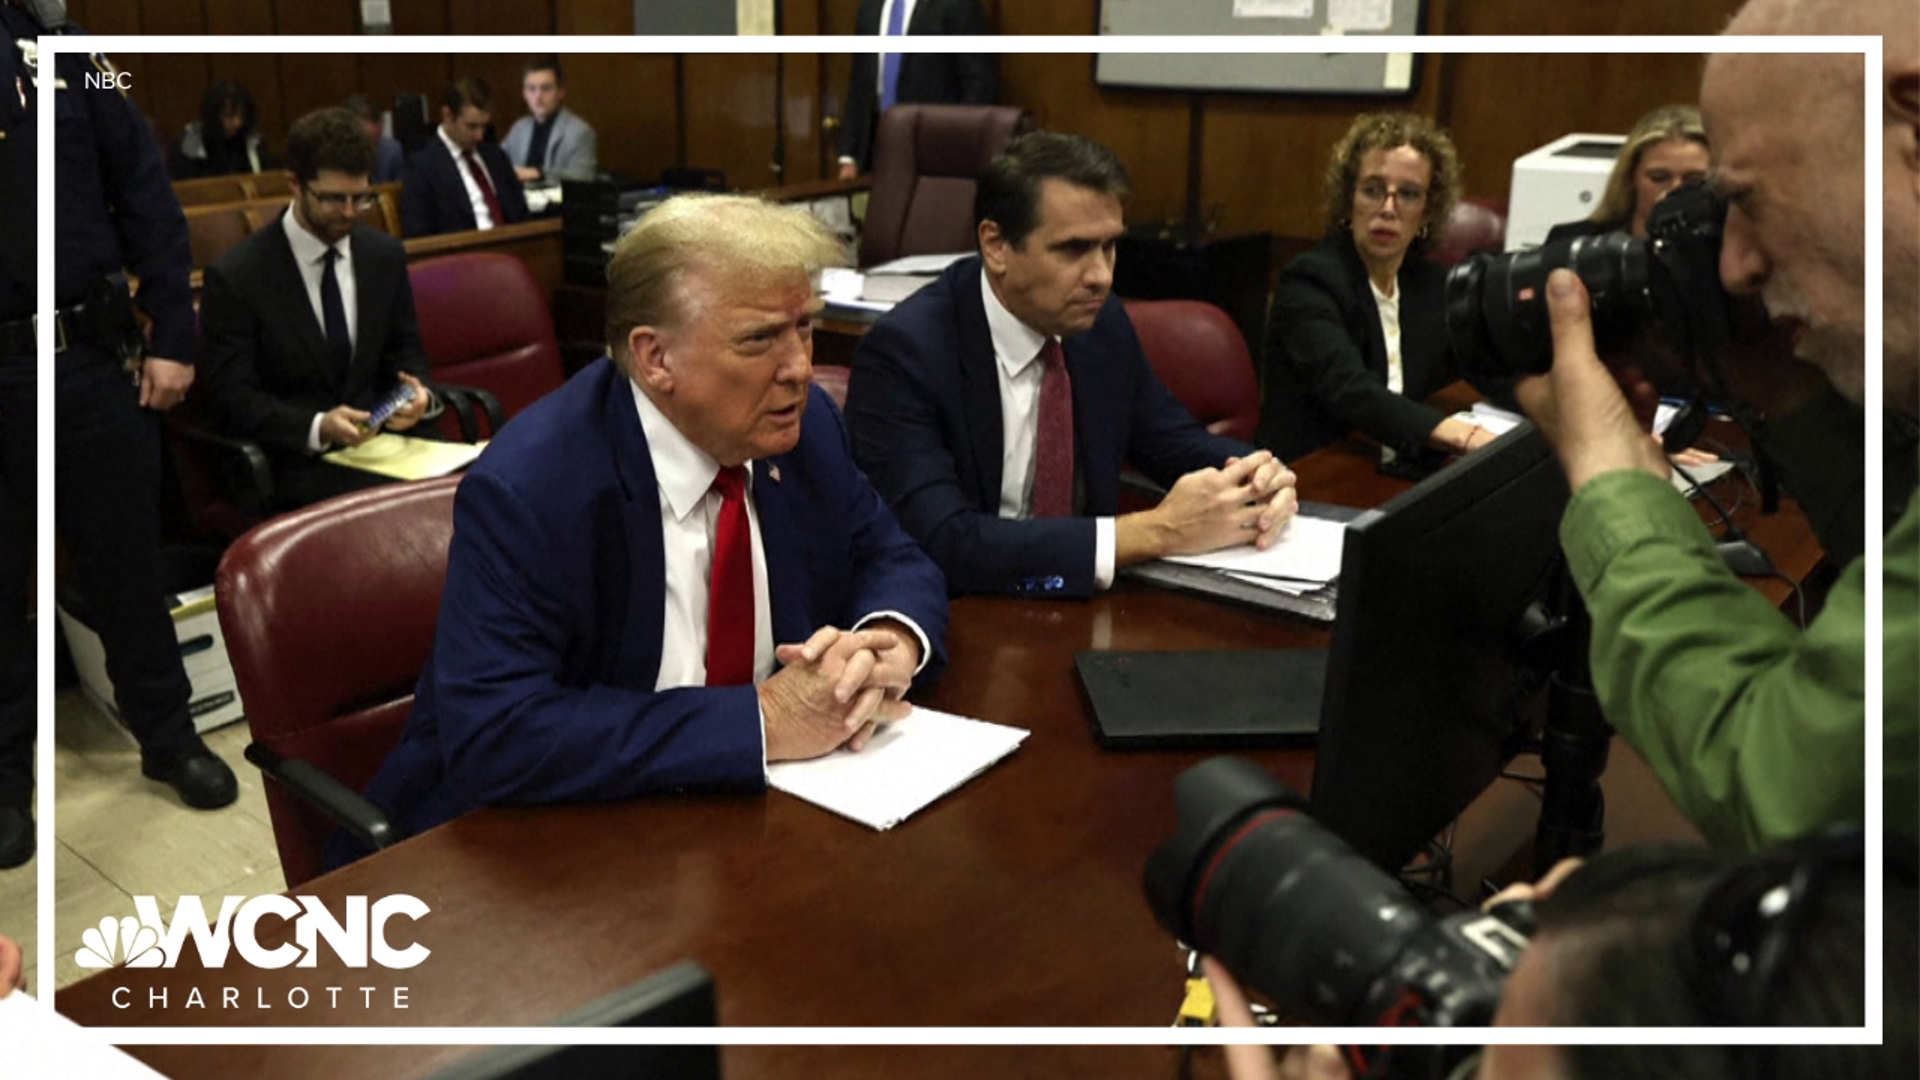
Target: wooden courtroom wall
[[1261, 156]]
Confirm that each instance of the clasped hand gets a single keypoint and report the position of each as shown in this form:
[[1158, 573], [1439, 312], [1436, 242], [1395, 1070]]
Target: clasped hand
[[836, 687], [1250, 499]]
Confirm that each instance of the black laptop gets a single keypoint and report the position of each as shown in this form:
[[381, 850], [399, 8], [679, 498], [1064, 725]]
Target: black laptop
[[1211, 698]]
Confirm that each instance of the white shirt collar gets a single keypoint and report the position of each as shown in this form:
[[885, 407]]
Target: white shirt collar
[[684, 471], [307, 247], [452, 148], [1015, 344]]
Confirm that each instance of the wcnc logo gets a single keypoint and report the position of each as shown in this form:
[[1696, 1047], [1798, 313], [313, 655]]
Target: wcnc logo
[[360, 938]]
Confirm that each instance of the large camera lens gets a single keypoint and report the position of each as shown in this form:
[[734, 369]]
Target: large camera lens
[[1664, 289], [1300, 916], [1497, 320]]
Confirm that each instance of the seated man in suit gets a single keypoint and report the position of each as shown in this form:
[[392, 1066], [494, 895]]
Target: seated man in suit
[[995, 407], [651, 565], [308, 323], [389, 160], [552, 143], [458, 181]]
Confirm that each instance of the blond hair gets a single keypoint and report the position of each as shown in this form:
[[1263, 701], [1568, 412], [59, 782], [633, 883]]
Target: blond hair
[[739, 238], [1660, 125]]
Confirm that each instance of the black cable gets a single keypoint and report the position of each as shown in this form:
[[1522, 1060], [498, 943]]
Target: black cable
[[1799, 599]]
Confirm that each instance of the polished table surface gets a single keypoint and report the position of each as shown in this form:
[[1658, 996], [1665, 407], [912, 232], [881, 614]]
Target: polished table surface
[[1013, 901]]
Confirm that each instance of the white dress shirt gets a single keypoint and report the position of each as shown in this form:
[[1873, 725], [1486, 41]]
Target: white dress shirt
[[310, 255], [1016, 350], [1389, 305], [689, 513], [478, 199]]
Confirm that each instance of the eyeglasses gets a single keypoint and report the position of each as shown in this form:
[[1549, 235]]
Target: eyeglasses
[[341, 201], [1374, 194]]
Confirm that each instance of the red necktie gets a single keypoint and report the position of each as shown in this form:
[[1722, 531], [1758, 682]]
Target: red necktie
[[730, 616], [486, 188], [1053, 444]]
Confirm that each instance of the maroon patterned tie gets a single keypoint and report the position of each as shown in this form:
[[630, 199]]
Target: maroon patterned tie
[[486, 188], [730, 616], [1053, 444]]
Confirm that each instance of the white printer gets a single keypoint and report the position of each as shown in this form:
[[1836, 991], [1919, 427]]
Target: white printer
[[1561, 181]]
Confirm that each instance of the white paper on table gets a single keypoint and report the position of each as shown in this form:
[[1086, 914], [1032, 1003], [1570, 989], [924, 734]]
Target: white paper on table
[[1492, 417], [1308, 549], [1706, 474], [1273, 9], [1291, 588], [908, 765], [1360, 14], [918, 264], [47, 1044]]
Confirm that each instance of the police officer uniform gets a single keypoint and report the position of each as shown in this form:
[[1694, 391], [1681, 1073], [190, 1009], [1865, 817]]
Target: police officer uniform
[[114, 208]]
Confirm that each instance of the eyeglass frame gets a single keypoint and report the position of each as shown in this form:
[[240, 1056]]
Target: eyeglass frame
[[1409, 199]]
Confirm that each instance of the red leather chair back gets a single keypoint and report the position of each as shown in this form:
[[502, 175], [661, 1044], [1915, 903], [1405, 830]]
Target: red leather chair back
[[484, 322], [328, 614], [1475, 225], [926, 164], [833, 379], [1199, 354]]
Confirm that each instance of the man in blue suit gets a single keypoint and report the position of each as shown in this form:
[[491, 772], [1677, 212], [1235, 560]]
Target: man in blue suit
[[458, 181], [994, 408], [630, 550]]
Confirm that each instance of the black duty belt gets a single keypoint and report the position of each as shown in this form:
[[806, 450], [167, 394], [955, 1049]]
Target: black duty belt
[[21, 337]]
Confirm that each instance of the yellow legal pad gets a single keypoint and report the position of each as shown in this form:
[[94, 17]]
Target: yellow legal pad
[[406, 458]]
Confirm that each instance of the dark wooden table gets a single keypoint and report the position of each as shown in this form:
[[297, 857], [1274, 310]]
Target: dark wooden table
[[1014, 901]]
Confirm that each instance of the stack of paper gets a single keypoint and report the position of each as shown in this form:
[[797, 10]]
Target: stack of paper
[[1303, 559], [406, 458], [907, 765]]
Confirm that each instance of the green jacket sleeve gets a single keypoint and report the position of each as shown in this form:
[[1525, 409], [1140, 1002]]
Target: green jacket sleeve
[[1756, 728]]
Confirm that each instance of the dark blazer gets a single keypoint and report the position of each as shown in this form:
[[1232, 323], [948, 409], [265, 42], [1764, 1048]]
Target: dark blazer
[[925, 78], [265, 368], [433, 198], [1326, 359], [924, 408], [540, 685]]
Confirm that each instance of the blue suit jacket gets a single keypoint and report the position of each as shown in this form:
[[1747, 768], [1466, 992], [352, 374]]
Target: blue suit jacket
[[540, 688], [923, 405], [433, 198]]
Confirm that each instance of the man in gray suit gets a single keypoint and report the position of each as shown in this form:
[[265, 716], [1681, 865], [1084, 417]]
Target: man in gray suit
[[553, 143]]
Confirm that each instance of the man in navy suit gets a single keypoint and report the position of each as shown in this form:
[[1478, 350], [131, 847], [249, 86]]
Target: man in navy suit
[[650, 567], [994, 408], [459, 182]]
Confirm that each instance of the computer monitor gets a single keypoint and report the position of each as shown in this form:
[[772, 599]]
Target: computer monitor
[[1427, 691], [681, 996]]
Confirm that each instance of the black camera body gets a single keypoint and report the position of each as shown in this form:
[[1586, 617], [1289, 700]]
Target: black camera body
[[1298, 915], [1662, 291]]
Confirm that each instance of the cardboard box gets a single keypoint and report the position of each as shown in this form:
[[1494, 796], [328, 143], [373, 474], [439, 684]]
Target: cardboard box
[[214, 702]]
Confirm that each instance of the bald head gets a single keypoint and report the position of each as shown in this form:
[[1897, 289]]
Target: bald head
[[1787, 149]]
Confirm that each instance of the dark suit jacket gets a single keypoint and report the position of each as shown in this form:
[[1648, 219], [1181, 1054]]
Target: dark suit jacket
[[1326, 359], [924, 408], [925, 78], [433, 198], [540, 688], [265, 368]]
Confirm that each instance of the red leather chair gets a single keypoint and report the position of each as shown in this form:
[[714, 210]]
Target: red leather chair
[[926, 164], [485, 323], [833, 379], [1475, 225], [1198, 352], [328, 614]]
